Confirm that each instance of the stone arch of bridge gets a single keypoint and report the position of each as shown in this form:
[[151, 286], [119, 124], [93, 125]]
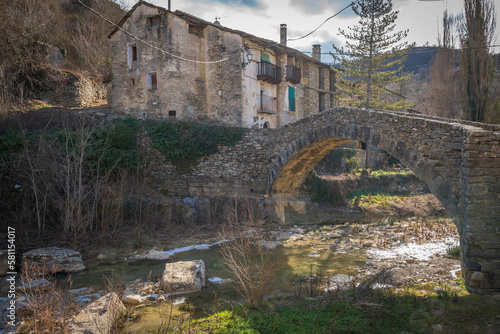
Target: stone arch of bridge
[[299, 157], [458, 160]]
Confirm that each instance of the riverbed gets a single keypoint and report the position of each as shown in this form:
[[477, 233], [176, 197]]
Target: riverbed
[[415, 247]]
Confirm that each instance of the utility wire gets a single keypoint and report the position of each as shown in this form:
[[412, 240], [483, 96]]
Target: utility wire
[[150, 45], [331, 17]]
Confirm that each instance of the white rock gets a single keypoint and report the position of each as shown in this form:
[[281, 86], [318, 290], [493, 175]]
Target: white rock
[[52, 260], [133, 298], [283, 235], [183, 276], [98, 317], [157, 255]]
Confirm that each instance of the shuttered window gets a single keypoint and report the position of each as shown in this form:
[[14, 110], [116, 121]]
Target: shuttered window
[[291, 98]]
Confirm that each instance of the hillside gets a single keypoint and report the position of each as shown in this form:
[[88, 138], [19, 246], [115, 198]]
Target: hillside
[[45, 38]]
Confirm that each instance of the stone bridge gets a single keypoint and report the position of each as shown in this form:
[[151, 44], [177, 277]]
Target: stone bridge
[[458, 160]]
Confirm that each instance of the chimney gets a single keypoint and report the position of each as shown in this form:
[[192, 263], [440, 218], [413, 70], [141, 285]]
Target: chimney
[[169, 5], [283, 34], [317, 52]]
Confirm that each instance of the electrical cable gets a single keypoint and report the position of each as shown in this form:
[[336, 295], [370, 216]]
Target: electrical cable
[[331, 17], [150, 45]]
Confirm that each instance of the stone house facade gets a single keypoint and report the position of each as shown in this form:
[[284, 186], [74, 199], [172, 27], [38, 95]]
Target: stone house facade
[[170, 64]]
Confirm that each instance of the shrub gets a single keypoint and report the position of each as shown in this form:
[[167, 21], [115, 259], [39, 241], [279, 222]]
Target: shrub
[[246, 255]]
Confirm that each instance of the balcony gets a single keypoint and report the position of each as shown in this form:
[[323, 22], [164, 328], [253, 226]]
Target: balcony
[[267, 104], [269, 73], [293, 74]]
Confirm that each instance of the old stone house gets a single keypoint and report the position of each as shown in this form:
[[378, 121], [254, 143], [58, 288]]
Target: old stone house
[[170, 64]]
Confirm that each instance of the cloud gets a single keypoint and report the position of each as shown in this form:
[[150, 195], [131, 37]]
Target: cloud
[[239, 3], [326, 7]]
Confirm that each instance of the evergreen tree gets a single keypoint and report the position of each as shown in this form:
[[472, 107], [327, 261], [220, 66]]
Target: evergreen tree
[[372, 60]]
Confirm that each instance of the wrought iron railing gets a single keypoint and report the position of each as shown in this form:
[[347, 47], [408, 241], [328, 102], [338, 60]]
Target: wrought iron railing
[[293, 74], [269, 72]]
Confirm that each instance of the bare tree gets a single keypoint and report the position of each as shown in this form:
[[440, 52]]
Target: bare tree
[[477, 32], [444, 92], [248, 256]]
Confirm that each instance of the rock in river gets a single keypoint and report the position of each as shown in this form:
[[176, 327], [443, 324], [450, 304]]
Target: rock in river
[[183, 276], [98, 317], [52, 260]]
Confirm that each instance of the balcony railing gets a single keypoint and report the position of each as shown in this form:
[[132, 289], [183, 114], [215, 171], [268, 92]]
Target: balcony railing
[[267, 104], [269, 73], [293, 74]]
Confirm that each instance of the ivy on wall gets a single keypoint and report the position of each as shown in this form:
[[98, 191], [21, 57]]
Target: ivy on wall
[[113, 147], [187, 141]]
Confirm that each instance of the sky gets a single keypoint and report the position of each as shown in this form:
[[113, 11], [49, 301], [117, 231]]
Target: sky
[[262, 18]]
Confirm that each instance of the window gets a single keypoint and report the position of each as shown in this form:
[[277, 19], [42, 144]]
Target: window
[[152, 82], [266, 125], [333, 80], [321, 79], [131, 84], [172, 113], [196, 30], [132, 53], [291, 98], [154, 21], [322, 101]]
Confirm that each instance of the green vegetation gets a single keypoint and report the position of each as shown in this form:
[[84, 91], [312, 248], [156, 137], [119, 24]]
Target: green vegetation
[[114, 147], [454, 252], [323, 191], [185, 141], [374, 197], [373, 58], [409, 309], [335, 157], [370, 188], [381, 172], [223, 322], [106, 149], [87, 178]]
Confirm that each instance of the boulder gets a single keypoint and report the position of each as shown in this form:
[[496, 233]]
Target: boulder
[[133, 298], [52, 260], [183, 276], [98, 317], [4, 267], [339, 281], [158, 255]]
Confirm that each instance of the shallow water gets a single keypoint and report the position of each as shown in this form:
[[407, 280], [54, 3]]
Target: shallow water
[[293, 261]]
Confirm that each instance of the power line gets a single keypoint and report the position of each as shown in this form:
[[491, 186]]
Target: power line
[[150, 45], [331, 17]]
